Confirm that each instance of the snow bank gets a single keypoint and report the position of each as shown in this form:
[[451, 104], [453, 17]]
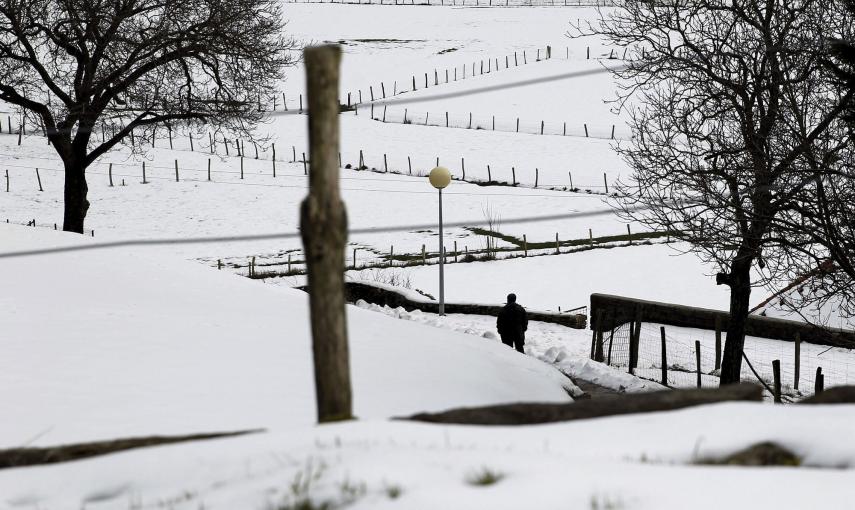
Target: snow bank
[[628, 462], [108, 343]]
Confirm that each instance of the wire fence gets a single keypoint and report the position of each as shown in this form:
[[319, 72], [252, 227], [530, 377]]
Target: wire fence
[[503, 124], [692, 358], [437, 77]]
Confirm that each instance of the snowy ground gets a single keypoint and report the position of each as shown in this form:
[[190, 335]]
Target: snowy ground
[[153, 348], [567, 281], [632, 462], [128, 344], [135, 342]]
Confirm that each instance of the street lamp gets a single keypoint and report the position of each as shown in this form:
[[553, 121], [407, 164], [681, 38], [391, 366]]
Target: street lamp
[[440, 178]]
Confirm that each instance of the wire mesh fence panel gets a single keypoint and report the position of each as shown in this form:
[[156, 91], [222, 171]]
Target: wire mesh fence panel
[[686, 348]]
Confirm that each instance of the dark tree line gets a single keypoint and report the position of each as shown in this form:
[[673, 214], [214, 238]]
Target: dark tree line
[[73, 66]]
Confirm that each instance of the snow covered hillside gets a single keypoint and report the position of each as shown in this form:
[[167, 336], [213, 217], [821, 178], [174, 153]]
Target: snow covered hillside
[[103, 344]]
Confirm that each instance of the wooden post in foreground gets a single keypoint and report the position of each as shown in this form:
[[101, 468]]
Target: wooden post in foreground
[[323, 224]]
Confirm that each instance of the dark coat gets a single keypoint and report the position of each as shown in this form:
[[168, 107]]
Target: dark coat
[[512, 323]]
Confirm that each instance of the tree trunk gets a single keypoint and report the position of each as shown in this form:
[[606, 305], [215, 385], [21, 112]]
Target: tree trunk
[[76, 190], [740, 293]]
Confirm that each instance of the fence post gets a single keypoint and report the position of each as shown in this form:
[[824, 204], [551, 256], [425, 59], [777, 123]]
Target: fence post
[[410, 165], [557, 249], [391, 255], [591, 237], [718, 342], [424, 256], [273, 160], [629, 233], [698, 360], [525, 246], [776, 375], [109, 172], [209, 169], [305, 165], [323, 225], [819, 382], [798, 358], [463, 167], [586, 130], [570, 174], [536, 176], [143, 173], [606, 182], [514, 176], [385, 164], [455, 251], [598, 356], [241, 167], [664, 357], [176, 170], [634, 337], [611, 339]]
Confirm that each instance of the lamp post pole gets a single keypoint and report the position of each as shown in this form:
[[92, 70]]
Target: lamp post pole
[[441, 261], [440, 178]]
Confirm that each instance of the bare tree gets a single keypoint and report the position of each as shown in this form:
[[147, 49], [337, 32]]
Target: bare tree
[[131, 65], [731, 110], [820, 256]]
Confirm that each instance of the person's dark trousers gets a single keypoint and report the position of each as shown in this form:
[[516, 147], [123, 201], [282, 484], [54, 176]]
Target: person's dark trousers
[[514, 343]]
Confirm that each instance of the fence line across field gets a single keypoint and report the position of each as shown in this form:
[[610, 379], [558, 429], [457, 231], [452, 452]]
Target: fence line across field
[[476, 68], [178, 173], [483, 122], [512, 175]]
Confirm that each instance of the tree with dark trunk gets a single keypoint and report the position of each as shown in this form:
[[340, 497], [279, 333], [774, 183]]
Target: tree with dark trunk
[[731, 111], [122, 67]]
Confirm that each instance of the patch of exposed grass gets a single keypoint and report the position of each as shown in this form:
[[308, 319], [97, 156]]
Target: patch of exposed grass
[[484, 477], [393, 491], [760, 454]]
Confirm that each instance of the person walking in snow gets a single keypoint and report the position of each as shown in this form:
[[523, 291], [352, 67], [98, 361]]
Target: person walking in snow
[[512, 324]]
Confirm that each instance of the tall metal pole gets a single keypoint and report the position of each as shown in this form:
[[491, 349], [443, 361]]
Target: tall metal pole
[[441, 261]]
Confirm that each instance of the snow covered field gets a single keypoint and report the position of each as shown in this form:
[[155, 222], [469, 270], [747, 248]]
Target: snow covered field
[[154, 348], [136, 345], [148, 340]]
